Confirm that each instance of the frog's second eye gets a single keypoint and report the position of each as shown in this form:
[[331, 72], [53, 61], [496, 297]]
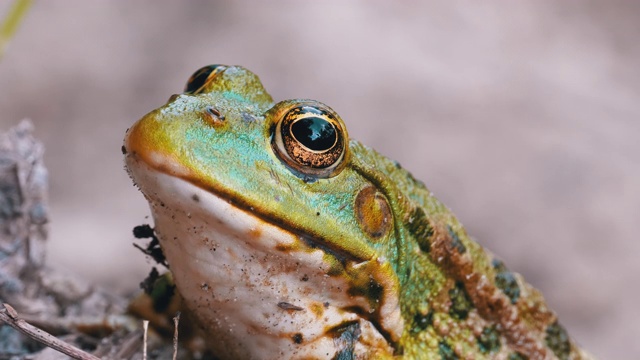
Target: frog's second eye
[[201, 77], [312, 140]]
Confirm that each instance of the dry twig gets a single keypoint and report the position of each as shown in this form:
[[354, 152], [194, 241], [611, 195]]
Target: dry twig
[[10, 317], [176, 321], [145, 326]]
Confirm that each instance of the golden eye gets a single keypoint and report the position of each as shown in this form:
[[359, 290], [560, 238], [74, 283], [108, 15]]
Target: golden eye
[[201, 77], [311, 139]]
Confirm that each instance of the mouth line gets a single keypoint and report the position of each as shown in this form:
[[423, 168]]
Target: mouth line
[[314, 242]]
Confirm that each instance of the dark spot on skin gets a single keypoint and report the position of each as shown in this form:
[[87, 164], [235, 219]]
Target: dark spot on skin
[[422, 322], [455, 240], [557, 340], [489, 340], [372, 291], [124, 150], [325, 304], [397, 164], [297, 338], [421, 229], [195, 197], [460, 302], [446, 352], [345, 336], [288, 306], [317, 214], [506, 281], [305, 277], [517, 356], [282, 247], [306, 178]]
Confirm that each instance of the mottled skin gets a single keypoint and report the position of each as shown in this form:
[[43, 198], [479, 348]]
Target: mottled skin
[[433, 293]]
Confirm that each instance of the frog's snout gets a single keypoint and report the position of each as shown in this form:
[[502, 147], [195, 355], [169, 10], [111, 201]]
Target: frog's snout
[[136, 142]]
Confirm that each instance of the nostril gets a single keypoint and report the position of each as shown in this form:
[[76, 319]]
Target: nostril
[[214, 115]]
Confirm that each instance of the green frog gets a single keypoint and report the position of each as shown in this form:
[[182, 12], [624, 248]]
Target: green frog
[[288, 240]]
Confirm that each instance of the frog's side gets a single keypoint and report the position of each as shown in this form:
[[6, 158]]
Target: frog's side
[[319, 248]]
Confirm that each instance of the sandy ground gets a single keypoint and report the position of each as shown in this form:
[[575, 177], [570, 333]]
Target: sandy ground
[[523, 118]]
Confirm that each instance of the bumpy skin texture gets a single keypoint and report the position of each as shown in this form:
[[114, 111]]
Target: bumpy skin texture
[[411, 271]]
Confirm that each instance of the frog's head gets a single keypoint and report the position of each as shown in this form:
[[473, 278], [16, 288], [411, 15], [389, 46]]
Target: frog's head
[[268, 227]]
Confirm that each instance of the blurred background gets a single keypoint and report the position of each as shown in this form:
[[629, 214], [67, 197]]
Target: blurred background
[[522, 116]]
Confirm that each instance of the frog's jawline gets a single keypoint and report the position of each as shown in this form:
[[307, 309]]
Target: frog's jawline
[[311, 240]]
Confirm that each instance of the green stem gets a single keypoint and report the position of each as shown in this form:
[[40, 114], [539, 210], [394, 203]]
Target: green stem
[[11, 22]]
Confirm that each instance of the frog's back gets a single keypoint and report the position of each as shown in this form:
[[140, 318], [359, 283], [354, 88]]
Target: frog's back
[[458, 300]]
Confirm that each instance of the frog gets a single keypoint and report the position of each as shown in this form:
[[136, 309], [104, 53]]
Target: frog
[[286, 239]]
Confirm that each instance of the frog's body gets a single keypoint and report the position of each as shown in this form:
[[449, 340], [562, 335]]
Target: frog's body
[[287, 240]]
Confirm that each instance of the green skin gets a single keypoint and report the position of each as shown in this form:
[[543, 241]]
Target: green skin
[[456, 301]]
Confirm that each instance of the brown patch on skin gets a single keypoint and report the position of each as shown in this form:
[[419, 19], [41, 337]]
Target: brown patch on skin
[[491, 303], [373, 212], [255, 233], [283, 248], [536, 311], [317, 309]]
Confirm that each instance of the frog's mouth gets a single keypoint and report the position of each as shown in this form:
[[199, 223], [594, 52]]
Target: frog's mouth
[[228, 253]]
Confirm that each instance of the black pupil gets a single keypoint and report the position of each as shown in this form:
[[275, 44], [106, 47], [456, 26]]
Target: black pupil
[[315, 133], [199, 78]]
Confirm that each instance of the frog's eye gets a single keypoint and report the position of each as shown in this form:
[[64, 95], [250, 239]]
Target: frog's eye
[[311, 139], [201, 77]]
